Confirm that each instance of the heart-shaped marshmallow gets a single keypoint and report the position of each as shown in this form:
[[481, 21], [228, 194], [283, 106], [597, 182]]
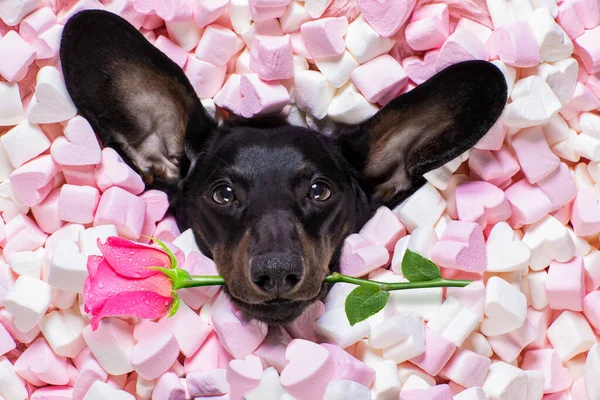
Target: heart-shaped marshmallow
[[79, 146], [419, 70], [309, 370], [243, 375], [481, 202], [586, 213], [461, 247], [386, 17], [51, 101], [504, 252]]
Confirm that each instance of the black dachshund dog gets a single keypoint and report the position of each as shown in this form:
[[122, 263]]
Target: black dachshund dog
[[270, 203]]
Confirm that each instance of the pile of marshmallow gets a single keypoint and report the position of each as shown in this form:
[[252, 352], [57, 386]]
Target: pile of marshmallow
[[519, 214]]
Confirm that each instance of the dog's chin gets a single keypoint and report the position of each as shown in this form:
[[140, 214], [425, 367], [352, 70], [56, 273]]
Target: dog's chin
[[274, 312]]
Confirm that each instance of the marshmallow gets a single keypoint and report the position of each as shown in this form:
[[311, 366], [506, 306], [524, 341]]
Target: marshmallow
[[387, 381], [583, 100], [88, 238], [386, 18], [379, 78], [346, 390], [337, 70], [325, 37], [565, 285], [113, 171], [554, 44], [79, 146], [504, 381], [363, 42], [38, 365], [481, 31], [207, 383], [7, 343], [111, 344], [218, 45], [587, 50], [548, 240], [63, 331], [171, 50], [18, 56], [534, 103], [584, 215], [350, 107], [592, 369], [268, 388], [422, 208], [313, 93], [333, 327], [534, 155], [188, 328], [11, 386], [528, 202], [272, 57], [46, 213], [559, 187], [557, 377], [462, 45], [561, 76], [471, 394], [155, 350], [28, 300], [428, 28], [51, 101], [461, 247], [33, 181], [466, 368], [383, 229], [101, 391], [25, 263], [68, 267], [505, 253], [261, 97], [78, 203], [570, 334], [359, 256], [24, 142], [122, 209], [437, 352], [12, 12], [230, 97], [309, 370], [505, 307], [401, 337], [481, 202], [11, 108], [316, 8], [295, 15], [496, 167], [454, 321], [206, 12]]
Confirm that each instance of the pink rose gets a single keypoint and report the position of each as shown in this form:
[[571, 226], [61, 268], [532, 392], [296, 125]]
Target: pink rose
[[120, 282]]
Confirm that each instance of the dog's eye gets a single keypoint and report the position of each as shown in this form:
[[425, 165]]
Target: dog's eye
[[319, 191], [223, 195]]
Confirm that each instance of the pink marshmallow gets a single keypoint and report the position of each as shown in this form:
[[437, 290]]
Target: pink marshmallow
[[260, 97], [39, 365], [462, 247], [207, 383], [174, 52], [466, 368], [590, 309], [78, 203], [528, 203], [114, 172], [534, 154], [471, 296], [217, 45], [299, 46], [270, 3], [379, 77], [17, 55], [6, 319], [386, 17], [438, 352], [189, 329], [206, 78], [494, 138], [198, 264], [53, 393], [272, 57], [22, 234], [230, 95], [156, 349], [122, 209], [33, 181], [325, 37], [83, 176], [208, 11], [169, 387], [585, 216], [481, 202], [157, 204], [420, 69], [305, 327], [272, 349], [437, 392], [556, 377], [7, 343], [46, 213], [239, 337], [429, 27], [565, 285], [515, 45], [79, 146], [570, 20], [260, 14], [174, 10], [508, 346], [167, 230], [349, 368], [243, 376], [383, 229], [559, 187], [588, 50], [36, 23], [462, 45], [359, 256], [310, 369], [583, 100], [495, 167], [211, 355]]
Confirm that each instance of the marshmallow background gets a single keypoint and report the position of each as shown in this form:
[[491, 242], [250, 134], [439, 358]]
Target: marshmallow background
[[519, 214]]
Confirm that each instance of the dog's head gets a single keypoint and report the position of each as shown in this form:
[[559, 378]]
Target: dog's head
[[270, 204]]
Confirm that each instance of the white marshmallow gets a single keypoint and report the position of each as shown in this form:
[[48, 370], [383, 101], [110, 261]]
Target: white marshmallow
[[24, 142], [51, 101], [185, 33], [13, 11], [28, 300], [548, 240], [587, 146], [6, 167], [364, 43], [186, 242], [556, 130], [63, 330], [25, 263], [592, 372], [554, 43], [505, 307], [505, 382], [504, 253], [536, 282], [334, 328], [10, 204], [313, 93], [103, 391], [548, 4], [350, 107], [242, 64], [11, 108], [270, 27], [421, 241], [295, 15], [111, 344], [402, 336], [88, 239], [269, 387], [591, 264], [570, 334], [408, 369], [566, 148], [590, 124], [63, 299], [337, 70], [510, 74], [582, 247], [68, 267], [561, 76], [479, 344], [415, 382], [240, 15], [535, 385], [387, 381], [503, 12], [454, 321], [473, 393], [316, 8], [346, 390], [12, 387], [534, 103], [422, 208]]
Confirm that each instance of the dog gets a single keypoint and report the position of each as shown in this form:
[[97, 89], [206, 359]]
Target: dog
[[270, 203]]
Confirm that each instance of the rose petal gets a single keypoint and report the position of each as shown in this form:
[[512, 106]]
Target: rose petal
[[133, 259], [92, 264], [107, 284], [139, 304]]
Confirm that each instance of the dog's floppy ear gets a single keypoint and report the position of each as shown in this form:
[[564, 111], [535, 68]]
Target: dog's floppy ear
[[137, 100], [425, 128]]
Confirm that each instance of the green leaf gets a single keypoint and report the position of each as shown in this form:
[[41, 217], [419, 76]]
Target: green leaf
[[175, 305], [167, 250], [365, 301], [417, 268]]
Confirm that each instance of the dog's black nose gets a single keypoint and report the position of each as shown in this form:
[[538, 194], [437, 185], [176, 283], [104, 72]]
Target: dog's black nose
[[276, 272]]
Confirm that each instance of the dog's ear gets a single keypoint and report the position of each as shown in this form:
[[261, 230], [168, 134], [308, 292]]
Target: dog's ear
[[424, 129], [138, 101]]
